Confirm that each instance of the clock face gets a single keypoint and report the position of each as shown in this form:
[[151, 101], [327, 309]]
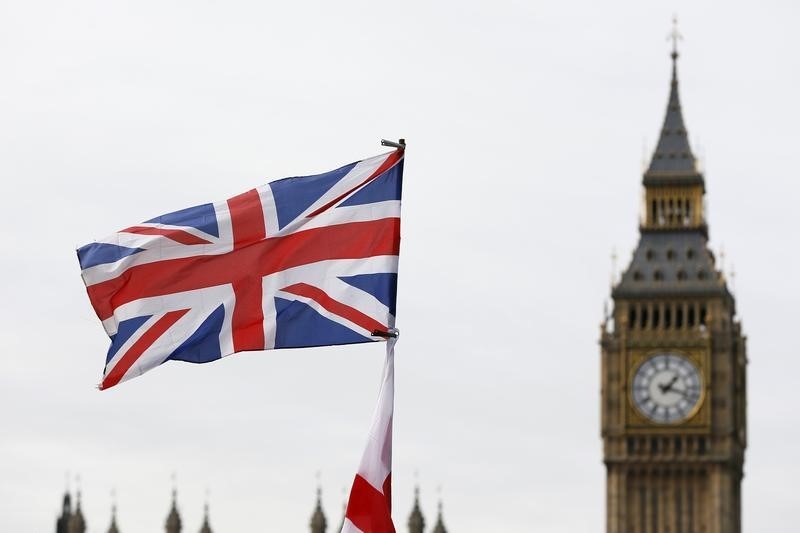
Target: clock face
[[667, 388]]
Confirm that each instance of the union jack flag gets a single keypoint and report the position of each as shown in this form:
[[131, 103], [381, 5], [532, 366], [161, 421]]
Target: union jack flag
[[303, 261]]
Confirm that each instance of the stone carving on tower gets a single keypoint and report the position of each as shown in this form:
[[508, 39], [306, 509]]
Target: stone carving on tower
[[673, 362]]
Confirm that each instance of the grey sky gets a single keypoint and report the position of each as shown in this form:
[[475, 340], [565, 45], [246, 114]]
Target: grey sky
[[526, 123]]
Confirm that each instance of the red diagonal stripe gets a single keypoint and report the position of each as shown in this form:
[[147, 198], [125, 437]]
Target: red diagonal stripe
[[183, 237], [334, 306], [393, 158], [368, 509], [145, 341], [354, 240]]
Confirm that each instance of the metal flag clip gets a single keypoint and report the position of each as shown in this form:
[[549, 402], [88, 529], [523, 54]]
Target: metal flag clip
[[392, 333], [400, 144]]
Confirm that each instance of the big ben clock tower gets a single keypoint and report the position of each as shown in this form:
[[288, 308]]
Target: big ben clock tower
[[673, 362]]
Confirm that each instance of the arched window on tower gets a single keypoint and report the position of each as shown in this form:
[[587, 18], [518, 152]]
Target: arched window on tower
[[679, 317]]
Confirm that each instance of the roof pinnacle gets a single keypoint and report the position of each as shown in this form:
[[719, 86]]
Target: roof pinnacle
[[173, 524], [318, 522], [673, 155], [206, 527], [112, 528], [675, 36], [439, 527], [416, 522]]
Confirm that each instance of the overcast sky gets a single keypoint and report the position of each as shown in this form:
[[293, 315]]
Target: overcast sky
[[527, 123]]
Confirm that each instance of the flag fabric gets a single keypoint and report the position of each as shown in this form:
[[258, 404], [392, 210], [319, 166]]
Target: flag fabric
[[369, 508], [303, 261]]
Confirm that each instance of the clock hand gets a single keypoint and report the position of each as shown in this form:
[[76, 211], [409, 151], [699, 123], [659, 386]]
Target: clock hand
[[683, 393], [666, 387]]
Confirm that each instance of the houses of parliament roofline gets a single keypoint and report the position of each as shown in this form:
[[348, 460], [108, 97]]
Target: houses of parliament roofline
[[71, 519]]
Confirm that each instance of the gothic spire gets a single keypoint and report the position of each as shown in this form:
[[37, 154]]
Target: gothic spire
[[76, 522], [206, 528], [62, 523], [173, 524], [113, 527], [673, 155], [318, 522], [439, 527], [416, 522]]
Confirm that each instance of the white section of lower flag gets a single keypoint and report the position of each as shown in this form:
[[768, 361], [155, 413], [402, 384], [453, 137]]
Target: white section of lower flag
[[369, 509]]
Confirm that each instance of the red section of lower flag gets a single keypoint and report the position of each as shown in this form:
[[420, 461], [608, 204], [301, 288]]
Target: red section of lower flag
[[368, 509], [138, 348]]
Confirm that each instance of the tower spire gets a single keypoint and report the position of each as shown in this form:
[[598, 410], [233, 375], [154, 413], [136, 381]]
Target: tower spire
[[416, 522], [112, 528], [77, 524], [206, 527], [62, 522], [673, 156], [318, 522], [439, 527], [173, 524]]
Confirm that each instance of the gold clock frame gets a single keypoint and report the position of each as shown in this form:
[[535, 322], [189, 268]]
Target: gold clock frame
[[698, 419]]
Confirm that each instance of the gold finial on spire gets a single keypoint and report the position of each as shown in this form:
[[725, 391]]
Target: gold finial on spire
[[675, 36]]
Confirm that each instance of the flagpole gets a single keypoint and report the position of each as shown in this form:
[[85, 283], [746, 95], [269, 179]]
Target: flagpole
[[369, 507]]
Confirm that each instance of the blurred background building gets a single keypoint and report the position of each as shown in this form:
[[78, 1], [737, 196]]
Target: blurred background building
[[71, 519]]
